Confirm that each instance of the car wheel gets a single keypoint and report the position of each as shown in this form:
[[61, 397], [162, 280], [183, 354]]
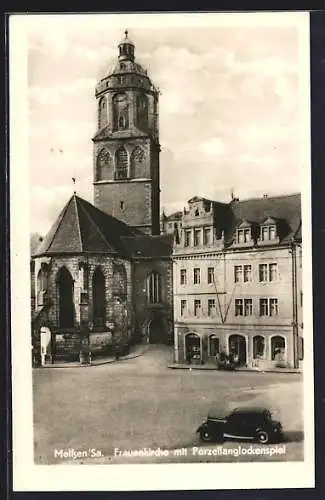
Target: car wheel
[[205, 435], [262, 437]]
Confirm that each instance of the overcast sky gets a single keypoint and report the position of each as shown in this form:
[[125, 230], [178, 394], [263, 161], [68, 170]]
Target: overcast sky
[[229, 108]]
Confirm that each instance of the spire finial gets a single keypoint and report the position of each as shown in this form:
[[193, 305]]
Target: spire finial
[[126, 33], [74, 184]]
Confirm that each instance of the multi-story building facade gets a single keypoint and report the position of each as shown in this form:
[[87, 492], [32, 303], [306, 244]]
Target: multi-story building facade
[[237, 281]]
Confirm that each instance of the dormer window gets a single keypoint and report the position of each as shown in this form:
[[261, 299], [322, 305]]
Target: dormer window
[[268, 230], [268, 233], [244, 235]]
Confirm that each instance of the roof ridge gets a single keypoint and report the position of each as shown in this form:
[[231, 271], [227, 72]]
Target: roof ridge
[[269, 197], [60, 219], [94, 223], [78, 222]]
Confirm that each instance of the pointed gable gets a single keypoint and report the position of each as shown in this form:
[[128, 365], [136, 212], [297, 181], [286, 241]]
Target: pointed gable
[[81, 228]]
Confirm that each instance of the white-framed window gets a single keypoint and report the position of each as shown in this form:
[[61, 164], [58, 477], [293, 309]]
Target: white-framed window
[[247, 272], [274, 309], [243, 307], [264, 307], [244, 235], [183, 277], [269, 307], [273, 272], [187, 238], [183, 307], [263, 272], [248, 307], [238, 274], [211, 307], [239, 307], [268, 232], [196, 276], [210, 275], [197, 237], [197, 307], [268, 272], [154, 288], [206, 236]]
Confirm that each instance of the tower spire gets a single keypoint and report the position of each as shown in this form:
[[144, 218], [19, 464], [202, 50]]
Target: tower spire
[[126, 48]]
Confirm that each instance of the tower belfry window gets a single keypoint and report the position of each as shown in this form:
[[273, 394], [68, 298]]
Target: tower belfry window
[[121, 164]]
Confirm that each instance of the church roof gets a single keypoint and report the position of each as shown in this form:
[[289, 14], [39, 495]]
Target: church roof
[[83, 228], [147, 246]]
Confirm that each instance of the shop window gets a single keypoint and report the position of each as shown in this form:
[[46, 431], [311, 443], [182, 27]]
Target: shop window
[[278, 346]]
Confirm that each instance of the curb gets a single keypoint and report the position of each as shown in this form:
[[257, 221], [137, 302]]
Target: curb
[[100, 363], [249, 370]]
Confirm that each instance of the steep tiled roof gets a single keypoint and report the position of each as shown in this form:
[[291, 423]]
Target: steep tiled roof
[[285, 210], [174, 216], [146, 246], [81, 227]]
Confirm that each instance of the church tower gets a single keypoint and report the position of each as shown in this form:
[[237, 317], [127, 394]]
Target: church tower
[[126, 144]]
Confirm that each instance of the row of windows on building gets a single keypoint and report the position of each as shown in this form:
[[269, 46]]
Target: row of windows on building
[[200, 236], [242, 273], [203, 236], [242, 307], [120, 110], [267, 233], [126, 166], [278, 344]]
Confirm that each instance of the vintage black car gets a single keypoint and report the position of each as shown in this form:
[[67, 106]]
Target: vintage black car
[[251, 423]]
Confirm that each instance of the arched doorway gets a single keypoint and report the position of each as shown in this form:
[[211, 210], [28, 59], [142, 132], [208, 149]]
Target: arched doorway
[[66, 303], [192, 348], [278, 347], [157, 330], [237, 346], [213, 345], [98, 289], [258, 347]]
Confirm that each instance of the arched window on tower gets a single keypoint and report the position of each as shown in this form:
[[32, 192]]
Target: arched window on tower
[[121, 164], [120, 112], [102, 113], [137, 163], [104, 165], [142, 111]]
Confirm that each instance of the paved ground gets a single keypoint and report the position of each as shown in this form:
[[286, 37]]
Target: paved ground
[[141, 403]]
